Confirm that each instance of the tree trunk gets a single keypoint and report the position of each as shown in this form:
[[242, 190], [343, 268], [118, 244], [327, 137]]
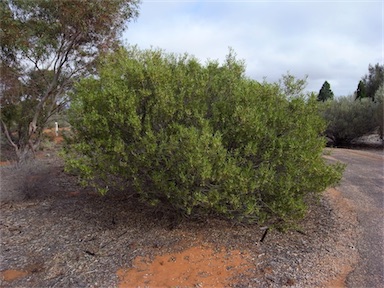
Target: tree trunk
[[23, 149], [23, 155]]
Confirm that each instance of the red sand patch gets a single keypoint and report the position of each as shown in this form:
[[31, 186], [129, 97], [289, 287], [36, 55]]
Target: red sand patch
[[73, 193], [58, 139], [10, 275], [340, 280], [33, 178], [51, 133], [342, 204], [195, 267], [5, 163]]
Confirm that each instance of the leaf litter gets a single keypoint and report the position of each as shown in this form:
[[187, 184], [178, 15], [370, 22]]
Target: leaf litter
[[56, 234]]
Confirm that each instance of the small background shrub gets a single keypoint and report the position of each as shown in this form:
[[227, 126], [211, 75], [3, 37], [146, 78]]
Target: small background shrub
[[348, 118]]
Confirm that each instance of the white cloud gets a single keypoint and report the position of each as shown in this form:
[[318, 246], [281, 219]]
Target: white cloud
[[333, 41]]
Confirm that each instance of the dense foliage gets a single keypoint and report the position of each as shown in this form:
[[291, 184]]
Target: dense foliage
[[45, 47], [371, 82], [349, 119], [325, 92], [361, 90], [198, 139]]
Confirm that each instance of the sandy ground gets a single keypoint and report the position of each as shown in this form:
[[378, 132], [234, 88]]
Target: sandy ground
[[57, 234]]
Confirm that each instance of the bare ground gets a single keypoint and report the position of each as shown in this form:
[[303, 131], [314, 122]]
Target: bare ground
[[57, 234]]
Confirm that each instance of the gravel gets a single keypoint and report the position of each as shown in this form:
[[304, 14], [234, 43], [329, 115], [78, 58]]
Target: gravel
[[62, 235]]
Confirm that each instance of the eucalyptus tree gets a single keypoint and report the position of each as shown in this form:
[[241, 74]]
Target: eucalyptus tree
[[46, 46], [371, 81]]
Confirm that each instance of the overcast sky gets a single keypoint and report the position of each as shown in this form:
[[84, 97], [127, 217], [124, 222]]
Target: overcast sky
[[326, 40]]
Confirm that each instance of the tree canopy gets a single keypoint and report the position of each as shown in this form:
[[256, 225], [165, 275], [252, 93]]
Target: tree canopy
[[371, 82], [325, 92], [361, 90], [45, 47]]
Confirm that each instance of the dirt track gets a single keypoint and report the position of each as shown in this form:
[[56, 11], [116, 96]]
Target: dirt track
[[362, 185]]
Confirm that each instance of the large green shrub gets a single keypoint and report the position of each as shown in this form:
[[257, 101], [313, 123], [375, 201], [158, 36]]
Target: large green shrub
[[197, 139], [348, 118]]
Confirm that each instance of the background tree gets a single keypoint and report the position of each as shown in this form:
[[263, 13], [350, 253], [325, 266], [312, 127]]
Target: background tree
[[325, 92], [45, 47], [373, 80], [361, 91]]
